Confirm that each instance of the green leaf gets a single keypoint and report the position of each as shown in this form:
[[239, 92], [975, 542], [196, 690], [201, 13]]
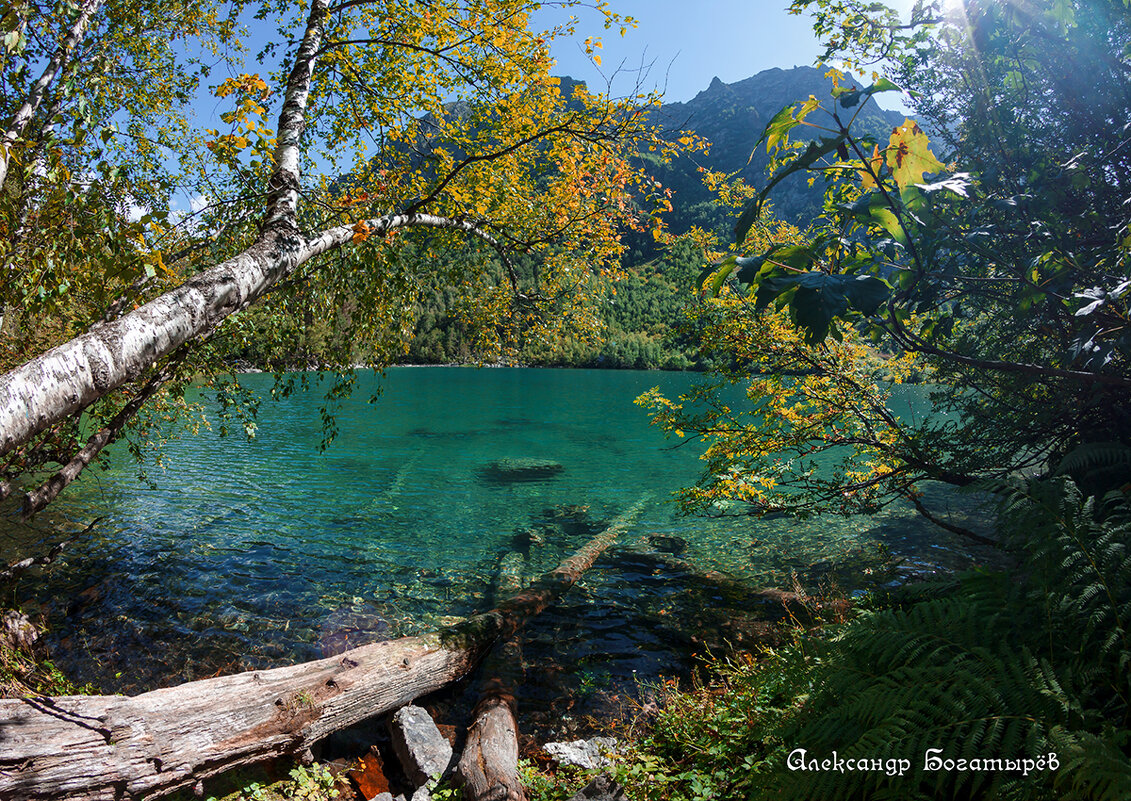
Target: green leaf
[[751, 266], [874, 208], [712, 278], [808, 106], [816, 150], [777, 130], [816, 299], [851, 97]]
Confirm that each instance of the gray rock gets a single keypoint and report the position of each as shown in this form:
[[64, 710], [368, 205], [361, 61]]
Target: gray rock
[[582, 753], [21, 634], [602, 788], [385, 797], [421, 748], [422, 794]]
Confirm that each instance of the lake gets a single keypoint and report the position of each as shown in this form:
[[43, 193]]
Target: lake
[[249, 554]]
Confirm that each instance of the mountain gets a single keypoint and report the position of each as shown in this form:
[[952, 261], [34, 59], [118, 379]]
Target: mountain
[[731, 117], [641, 317]]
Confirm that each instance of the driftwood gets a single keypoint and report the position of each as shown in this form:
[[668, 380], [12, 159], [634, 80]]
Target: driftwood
[[116, 747]]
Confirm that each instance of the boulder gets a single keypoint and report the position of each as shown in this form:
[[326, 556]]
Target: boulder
[[602, 788], [668, 544], [20, 634], [421, 748], [587, 754]]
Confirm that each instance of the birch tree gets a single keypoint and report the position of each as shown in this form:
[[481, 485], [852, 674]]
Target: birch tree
[[360, 123]]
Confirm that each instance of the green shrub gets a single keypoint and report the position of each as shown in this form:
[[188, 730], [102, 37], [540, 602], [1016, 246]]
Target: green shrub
[[1010, 666]]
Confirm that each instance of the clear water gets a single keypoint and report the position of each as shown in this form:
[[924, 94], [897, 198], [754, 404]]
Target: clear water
[[251, 554]]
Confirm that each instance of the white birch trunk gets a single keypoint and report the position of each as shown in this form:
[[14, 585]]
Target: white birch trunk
[[66, 379]]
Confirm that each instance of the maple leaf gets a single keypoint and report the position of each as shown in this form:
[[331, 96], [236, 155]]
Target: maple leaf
[[908, 155]]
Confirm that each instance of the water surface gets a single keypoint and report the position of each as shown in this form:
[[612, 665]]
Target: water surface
[[256, 553]]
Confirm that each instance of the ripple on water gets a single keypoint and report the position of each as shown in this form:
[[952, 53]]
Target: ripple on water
[[252, 554]]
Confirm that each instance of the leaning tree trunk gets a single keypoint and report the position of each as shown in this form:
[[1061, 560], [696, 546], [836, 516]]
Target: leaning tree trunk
[[68, 378], [115, 747]]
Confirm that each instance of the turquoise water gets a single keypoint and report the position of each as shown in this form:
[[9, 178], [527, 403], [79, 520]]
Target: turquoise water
[[254, 553]]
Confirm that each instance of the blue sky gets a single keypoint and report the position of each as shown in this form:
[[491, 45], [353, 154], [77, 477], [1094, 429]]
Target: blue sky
[[689, 42], [681, 44]]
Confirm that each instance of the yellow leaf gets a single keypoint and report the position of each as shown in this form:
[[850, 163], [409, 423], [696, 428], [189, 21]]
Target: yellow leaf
[[908, 155], [361, 231], [806, 107], [875, 162], [596, 59]]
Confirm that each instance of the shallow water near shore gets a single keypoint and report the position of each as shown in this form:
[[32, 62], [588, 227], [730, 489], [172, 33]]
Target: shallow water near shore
[[250, 554]]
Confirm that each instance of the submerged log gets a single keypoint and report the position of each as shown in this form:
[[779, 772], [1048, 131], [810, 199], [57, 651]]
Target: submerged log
[[117, 747]]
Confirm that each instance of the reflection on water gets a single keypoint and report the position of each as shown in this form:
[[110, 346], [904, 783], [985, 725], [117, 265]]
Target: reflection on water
[[251, 554]]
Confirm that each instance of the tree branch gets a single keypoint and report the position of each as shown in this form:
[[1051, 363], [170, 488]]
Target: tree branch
[[913, 343], [15, 568], [25, 113], [38, 499], [959, 530]]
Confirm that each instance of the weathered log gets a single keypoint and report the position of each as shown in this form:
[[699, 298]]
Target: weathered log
[[488, 767], [116, 747]]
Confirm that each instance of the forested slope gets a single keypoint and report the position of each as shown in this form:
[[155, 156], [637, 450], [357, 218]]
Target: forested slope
[[641, 316]]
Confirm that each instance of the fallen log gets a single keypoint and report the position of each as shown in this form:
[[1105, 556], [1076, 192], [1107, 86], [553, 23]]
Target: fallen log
[[488, 767], [117, 747]]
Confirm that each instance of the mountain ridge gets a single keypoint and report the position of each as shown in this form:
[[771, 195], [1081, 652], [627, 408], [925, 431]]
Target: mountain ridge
[[732, 117]]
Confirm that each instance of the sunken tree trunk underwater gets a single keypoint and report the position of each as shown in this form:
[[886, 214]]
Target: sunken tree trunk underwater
[[117, 747]]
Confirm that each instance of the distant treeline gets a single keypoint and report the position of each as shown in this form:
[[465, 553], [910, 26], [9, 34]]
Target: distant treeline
[[641, 322]]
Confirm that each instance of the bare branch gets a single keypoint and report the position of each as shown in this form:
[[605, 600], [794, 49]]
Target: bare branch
[[913, 343], [959, 530], [15, 568]]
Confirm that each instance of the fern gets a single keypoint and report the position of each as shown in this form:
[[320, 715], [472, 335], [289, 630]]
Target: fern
[[1097, 466], [999, 665]]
